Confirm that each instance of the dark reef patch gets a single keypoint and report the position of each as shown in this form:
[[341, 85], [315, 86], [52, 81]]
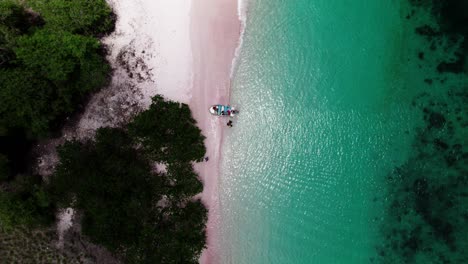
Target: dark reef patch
[[421, 55], [427, 214], [452, 19], [458, 66]]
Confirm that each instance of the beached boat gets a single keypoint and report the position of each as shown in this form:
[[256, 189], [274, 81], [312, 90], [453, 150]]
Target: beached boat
[[223, 110]]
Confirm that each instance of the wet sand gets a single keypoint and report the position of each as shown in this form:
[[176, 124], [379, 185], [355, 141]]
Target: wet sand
[[215, 31]]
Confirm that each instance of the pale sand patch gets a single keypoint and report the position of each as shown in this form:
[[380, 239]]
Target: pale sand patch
[[160, 167], [150, 53], [65, 217], [159, 29]]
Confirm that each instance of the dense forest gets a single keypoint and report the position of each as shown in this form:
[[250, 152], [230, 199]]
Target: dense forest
[[51, 60], [116, 186]]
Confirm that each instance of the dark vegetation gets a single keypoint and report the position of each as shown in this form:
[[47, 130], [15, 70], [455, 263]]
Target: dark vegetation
[[50, 61], [427, 219], [46, 70], [140, 214], [23, 245], [166, 140]]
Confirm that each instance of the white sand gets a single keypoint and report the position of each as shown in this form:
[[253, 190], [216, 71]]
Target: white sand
[[65, 217], [160, 28], [150, 53]]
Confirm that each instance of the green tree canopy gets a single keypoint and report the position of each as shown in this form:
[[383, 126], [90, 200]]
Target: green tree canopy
[[55, 70], [28, 204], [176, 235], [26, 101], [56, 55], [13, 22], [14, 16], [144, 216], [46, 70], [184, 181], [168, 132], [111, 182], [88, 17]]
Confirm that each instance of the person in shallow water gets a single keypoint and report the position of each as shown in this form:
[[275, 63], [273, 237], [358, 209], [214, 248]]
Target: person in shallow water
[[229, 123]]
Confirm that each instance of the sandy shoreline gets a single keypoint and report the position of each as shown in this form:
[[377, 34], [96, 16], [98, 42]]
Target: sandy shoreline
[[187, 48], [182, 49], [215, 32]]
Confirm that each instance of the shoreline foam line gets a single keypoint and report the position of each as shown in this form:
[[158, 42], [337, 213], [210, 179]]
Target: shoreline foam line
[[242, 6]]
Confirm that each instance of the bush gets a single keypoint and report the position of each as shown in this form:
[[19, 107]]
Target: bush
[[14, 17], [56, 55], [86, 17], [137, 213], [25, 104], [46, 70], [184, 181], [168, 132], [13, 23], [177, 236], [111, 183], [53, 71], [27, 205]]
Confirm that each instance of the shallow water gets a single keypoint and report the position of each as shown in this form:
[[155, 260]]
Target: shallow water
[[326, 92]]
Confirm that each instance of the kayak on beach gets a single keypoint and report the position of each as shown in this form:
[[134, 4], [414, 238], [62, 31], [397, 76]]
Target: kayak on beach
[[223, 110]]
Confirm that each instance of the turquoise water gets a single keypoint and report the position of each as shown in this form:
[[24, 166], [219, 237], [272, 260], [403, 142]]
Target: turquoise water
[[325, 115]]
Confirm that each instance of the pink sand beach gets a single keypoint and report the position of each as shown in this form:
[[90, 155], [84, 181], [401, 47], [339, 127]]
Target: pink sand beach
[[215, 31]]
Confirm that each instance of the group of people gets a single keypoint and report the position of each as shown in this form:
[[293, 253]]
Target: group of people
[[228, 112]]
